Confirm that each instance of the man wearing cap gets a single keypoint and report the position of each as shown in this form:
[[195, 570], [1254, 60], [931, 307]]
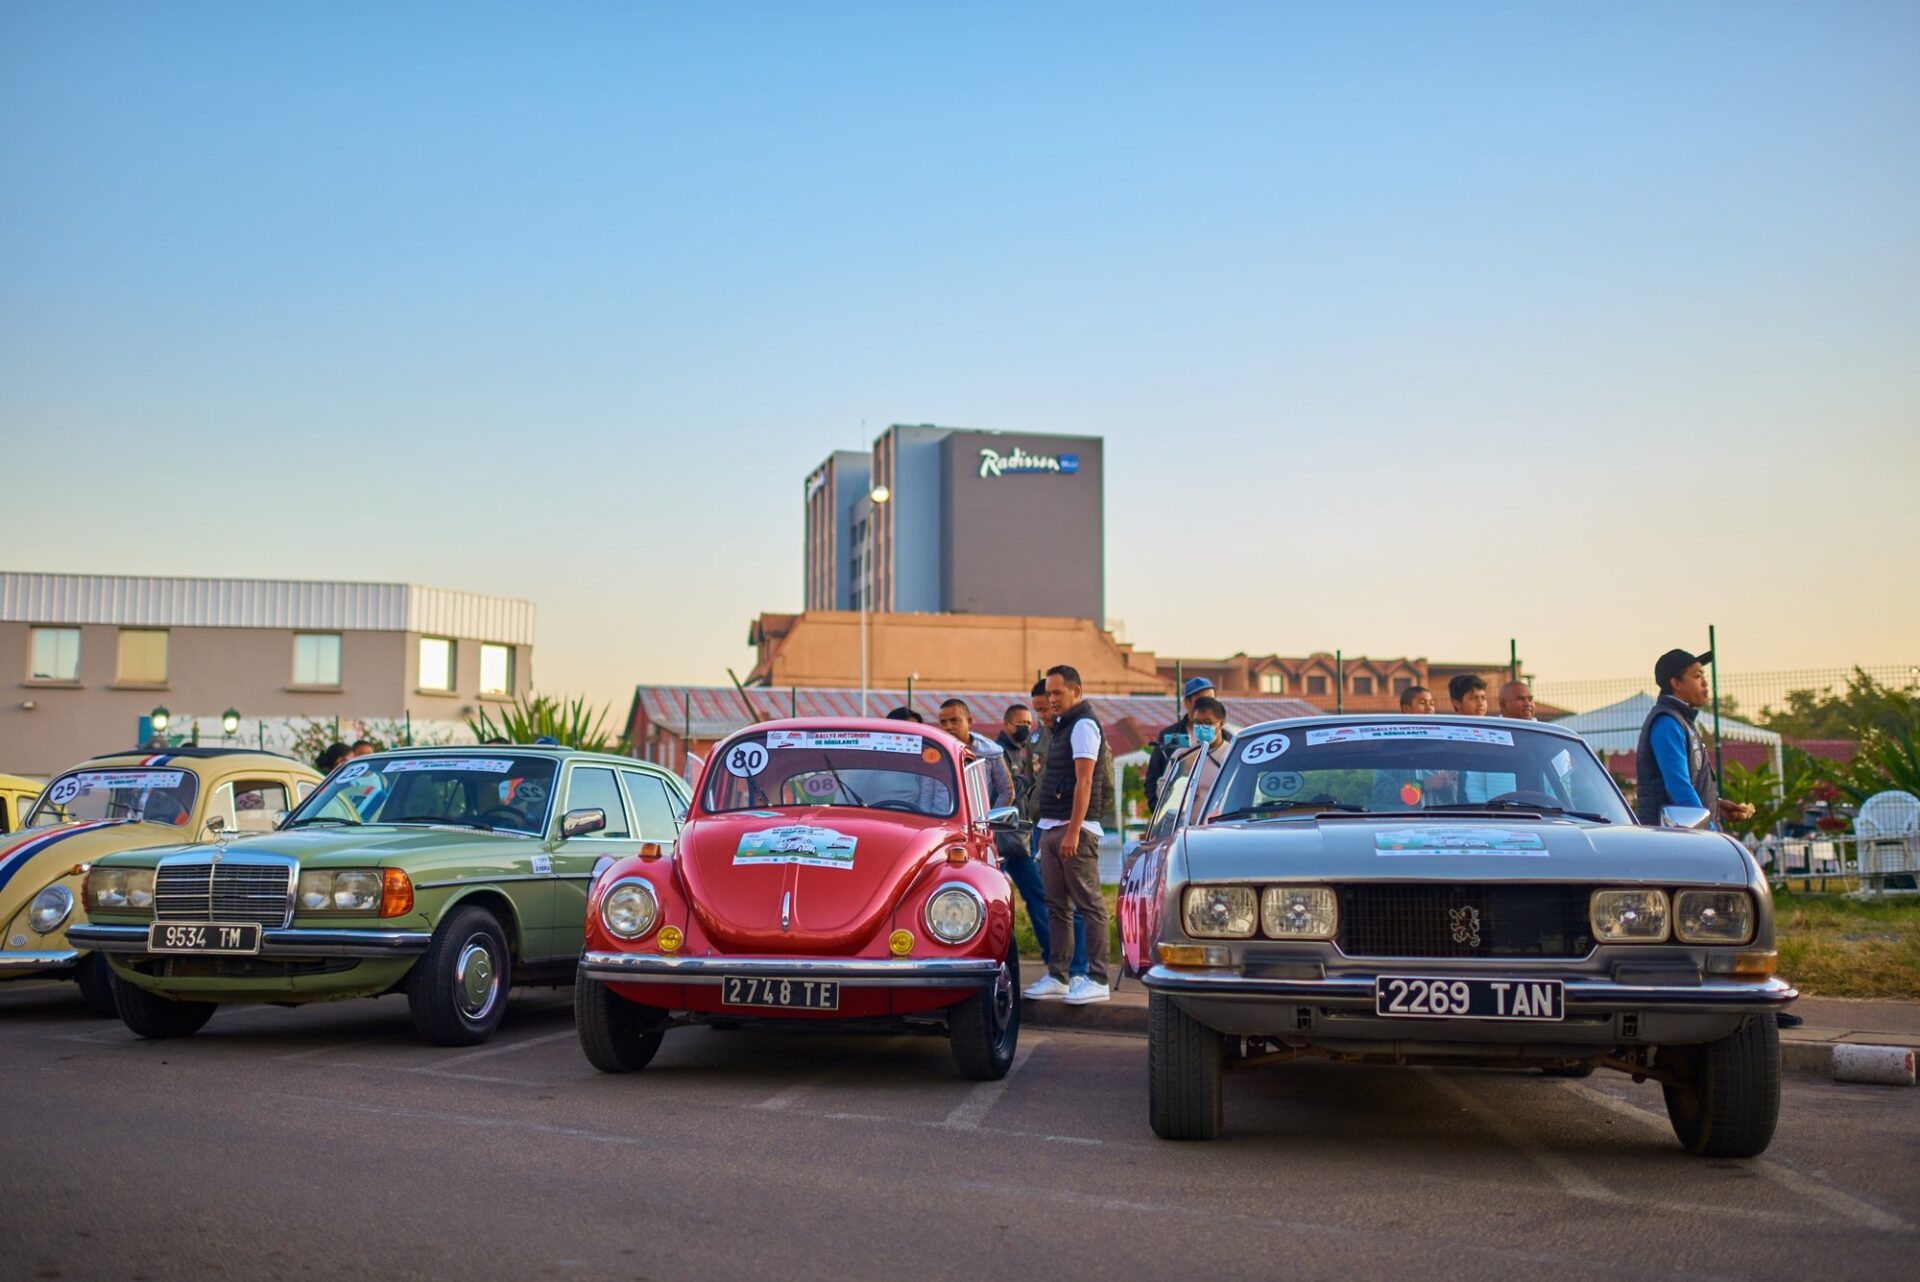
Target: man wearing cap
[[1174, 737], [1671, 766]]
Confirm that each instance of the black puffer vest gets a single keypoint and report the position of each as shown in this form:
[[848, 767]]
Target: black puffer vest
[[1056, 781], [1650, 786]]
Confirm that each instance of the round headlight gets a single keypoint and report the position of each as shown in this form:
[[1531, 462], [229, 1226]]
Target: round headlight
[[629, 909], [955, 914], [49, 908]]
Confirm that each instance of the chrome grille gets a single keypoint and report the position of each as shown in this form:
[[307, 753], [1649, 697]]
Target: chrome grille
[[226, 891]]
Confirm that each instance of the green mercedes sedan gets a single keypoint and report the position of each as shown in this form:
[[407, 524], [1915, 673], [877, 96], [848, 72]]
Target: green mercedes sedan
[[449, 874]]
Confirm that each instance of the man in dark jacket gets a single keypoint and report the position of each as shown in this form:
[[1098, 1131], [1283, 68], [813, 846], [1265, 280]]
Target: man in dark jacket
[[1023, 736], [1076, 789], [1174, 737], [1671, 766]]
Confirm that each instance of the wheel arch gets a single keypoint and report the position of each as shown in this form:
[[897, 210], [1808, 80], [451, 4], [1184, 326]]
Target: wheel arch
[[500, 904]]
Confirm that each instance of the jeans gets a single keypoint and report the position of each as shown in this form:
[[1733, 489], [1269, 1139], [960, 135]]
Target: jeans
[[1024, 873]]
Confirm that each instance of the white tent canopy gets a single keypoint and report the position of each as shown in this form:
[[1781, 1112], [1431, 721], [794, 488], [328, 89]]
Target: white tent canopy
[[1616, 728]]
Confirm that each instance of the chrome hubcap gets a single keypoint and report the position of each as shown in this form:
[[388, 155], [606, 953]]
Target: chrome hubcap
[[475, 981]]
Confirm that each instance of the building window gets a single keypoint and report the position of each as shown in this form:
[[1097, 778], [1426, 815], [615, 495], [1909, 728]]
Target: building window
[[1402, 684], [1363, 685], [316, 659], [143, 657], [56, 654], [496, 669], [436, 663], [1316, 685], [1273, 683]]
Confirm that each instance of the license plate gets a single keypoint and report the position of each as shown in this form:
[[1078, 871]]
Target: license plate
[[794, 994], [211, 937], [1432, 997]]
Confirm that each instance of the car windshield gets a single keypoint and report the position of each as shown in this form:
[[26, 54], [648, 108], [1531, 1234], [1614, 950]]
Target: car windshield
[[875, 770], [497, 792], [1411, 768], [148, 796]]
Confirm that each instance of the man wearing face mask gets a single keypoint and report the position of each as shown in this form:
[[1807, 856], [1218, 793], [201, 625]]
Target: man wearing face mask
[[1174, 737], [1207, 724]]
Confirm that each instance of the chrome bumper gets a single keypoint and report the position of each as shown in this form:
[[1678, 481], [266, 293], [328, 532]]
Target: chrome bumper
[[281, 942], [1586, 996], [654, 968], [41, 959]]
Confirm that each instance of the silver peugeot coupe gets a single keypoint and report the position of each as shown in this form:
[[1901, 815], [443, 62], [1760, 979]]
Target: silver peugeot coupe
[[1448, 891]]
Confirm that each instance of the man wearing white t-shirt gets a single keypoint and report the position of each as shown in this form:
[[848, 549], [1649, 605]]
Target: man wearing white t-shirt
[[1076, 785]]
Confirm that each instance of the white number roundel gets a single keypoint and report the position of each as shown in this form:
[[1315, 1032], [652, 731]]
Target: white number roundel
[[64, 791], [746, 759], [1265, 748]]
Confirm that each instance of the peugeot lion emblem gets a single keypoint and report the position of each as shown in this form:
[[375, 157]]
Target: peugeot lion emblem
[[1466, 925]]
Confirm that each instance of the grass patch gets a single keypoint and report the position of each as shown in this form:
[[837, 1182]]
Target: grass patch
[[1835, 947]]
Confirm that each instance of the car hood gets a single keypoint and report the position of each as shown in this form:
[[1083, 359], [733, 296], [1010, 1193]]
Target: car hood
[[741, 870], [1476, 849], [31, 860]]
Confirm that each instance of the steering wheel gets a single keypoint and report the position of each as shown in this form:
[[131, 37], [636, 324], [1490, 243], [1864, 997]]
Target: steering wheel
[[514, 816], [1527, 797], [892, 804]]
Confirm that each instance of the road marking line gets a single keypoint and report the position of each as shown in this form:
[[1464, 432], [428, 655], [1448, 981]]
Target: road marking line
[[316, 1051], [1803, 1186], [784, 1099], [972, 1110], [1568, 1176], [511, 1047], [427, 1072]]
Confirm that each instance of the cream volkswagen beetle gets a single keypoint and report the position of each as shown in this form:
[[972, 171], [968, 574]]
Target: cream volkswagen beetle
[[1449, 890]]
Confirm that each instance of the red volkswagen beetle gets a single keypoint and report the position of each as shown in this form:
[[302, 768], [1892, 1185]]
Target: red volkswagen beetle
[[833, 871]]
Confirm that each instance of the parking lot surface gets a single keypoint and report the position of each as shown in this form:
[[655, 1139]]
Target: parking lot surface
[[328, 1142]]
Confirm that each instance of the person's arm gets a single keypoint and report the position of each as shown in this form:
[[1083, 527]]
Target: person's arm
[[1669, 743], [999, 783], [1082, 797], [1156, 767]]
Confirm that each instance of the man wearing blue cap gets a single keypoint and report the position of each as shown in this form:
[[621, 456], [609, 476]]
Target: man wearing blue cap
[[1174, 737]]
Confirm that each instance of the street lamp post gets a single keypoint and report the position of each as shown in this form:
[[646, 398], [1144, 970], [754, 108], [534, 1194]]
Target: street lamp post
[[878, 495]]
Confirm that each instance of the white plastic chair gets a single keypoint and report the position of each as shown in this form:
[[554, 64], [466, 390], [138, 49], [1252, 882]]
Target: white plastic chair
[[1887, 831]]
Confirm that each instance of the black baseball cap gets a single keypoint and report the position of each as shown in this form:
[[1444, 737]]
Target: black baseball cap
[[1674, 662]]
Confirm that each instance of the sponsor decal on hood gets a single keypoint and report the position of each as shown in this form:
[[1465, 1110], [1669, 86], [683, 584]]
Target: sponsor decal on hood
[[796, 844]]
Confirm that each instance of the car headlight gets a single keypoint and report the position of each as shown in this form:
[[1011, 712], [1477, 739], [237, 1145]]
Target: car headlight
[[346, 890], [118, 889], [1713, 916], [955, 914], [49, 908], [1628, 916], [1221, 912], [1299, 912], [629, 909]]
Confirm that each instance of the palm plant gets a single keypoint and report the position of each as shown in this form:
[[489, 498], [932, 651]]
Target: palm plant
[[535, 716]]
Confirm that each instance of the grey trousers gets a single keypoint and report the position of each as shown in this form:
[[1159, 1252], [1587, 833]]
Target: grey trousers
[[1073, 885]]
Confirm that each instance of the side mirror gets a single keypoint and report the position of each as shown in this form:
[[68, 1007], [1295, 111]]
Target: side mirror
[[1685, 817], [578, 823], [1005, 818], [216, 825]]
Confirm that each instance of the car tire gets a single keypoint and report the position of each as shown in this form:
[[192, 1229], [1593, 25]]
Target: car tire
[[1185, 1067], [95, 980], [984, 1030], [618, 1036], [1728, 1099], [457, 991], [157, 1018]]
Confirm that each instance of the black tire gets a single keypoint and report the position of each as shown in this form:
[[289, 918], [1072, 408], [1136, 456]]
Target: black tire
[[158, 1018], [1185, 1066], [984, 1030], [1730, 1100], [618, 1036], [457, 991], [96, 986]]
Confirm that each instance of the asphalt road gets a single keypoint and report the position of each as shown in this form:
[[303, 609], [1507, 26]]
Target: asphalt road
[[326, 1142]]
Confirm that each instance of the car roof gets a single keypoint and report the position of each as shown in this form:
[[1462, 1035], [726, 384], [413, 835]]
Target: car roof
[[192, 753], [875, 725], [1408, 719]]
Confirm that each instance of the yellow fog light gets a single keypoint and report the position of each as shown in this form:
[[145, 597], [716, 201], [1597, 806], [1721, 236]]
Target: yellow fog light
[[670, 939], [1194, 955], [900, 943]]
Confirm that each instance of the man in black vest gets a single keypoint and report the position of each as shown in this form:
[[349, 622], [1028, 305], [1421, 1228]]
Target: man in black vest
[[1670, 765], [1075, 789]]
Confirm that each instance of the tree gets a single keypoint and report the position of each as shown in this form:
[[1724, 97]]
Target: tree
[[1864, 705], [537, 716]]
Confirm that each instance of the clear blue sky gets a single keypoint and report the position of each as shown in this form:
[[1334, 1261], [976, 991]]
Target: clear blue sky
[[1588, 324]]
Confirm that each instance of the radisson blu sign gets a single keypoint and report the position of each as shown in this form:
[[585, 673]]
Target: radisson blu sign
[[1017, 462]]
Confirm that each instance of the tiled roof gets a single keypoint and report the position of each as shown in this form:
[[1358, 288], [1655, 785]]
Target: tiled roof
[[717, 711]]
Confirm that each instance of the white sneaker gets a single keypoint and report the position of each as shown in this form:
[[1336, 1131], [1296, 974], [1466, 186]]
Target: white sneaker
[[1083, 991], [1045, 989]]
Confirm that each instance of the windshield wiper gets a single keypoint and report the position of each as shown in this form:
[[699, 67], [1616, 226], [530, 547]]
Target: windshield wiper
[[443, 820], [1522, 805], [1281, 807], [839, 782], [321, 819]]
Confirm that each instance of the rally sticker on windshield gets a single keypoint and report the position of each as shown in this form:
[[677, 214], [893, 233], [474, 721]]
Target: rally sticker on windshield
[[487, 765], [1449, 734], [1265, 748], [796, 844], [1460, 841], [846, 740], [91, 780]]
